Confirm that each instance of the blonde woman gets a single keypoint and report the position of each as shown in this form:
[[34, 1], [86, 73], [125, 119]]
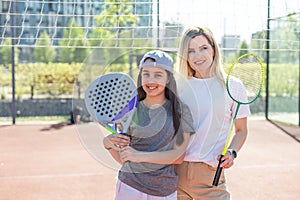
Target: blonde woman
[[199, 63]]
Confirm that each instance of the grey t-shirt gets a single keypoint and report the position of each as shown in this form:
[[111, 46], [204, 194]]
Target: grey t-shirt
[[153, 130]]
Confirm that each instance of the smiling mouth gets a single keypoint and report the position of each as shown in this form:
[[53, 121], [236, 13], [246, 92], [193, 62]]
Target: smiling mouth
[[199, 62], [152, 87]]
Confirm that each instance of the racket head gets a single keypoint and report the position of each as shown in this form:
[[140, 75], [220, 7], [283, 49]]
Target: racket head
[[111, 99], [248, 70]]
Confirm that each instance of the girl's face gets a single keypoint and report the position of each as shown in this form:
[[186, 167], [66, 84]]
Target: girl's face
[[154, 81], [200, 56]]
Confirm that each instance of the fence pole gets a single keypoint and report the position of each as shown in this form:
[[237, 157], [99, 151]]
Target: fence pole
[[267, 63]]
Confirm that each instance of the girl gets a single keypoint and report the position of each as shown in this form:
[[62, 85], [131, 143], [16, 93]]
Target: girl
[[159, 133]]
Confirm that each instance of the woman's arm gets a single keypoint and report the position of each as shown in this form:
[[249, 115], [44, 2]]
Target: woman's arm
[[241, 131], [173, 156], [238, 140]]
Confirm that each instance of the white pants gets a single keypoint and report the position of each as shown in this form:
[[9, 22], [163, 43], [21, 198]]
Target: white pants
[[125, 192]]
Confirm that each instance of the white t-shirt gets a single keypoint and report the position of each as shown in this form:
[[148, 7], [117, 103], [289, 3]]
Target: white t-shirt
[[212, 110]]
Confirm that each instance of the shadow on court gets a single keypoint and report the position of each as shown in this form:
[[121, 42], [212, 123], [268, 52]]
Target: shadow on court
[[291, 130], [54, 126], [50, 162]]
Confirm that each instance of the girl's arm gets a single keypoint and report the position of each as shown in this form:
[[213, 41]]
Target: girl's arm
[[113, 143], [173, 156]]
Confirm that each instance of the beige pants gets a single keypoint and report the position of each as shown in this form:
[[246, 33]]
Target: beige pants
[[195, 182]]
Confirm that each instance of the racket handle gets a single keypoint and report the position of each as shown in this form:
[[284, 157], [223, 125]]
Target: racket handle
[[218, 172], [125, 134]]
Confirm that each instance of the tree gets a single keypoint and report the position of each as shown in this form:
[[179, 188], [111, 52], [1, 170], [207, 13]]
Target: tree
[[282, 37], [43, 54], [77, 51], [283, 34], [114, 22], [5, 51], [244, 48], [258, 43], [116, 16]]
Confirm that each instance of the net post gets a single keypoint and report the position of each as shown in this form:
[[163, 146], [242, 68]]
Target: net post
[[12, 23]]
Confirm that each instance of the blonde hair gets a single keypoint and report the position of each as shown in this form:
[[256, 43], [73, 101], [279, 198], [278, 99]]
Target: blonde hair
[[183, 66]]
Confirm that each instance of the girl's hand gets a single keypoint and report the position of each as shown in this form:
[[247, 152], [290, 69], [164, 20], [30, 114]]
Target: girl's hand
[[228, 160], [116, 141], [127, 153]]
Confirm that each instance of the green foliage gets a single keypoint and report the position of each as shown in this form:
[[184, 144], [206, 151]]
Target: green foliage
[[116, 16], [244, 48], [283, 34], [284, 30], [283, 80], [6, 52], [54, 80], [77, 51], [42, 54], [50, 79]]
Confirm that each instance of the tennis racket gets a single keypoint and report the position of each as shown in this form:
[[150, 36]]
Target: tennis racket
[[111, 100], [249, 70]]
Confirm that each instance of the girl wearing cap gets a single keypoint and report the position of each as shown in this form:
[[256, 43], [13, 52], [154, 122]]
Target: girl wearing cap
[[159, 134], [199, 62]]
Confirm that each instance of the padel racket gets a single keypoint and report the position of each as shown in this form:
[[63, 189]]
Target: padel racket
[[249, 70], [111, 100]]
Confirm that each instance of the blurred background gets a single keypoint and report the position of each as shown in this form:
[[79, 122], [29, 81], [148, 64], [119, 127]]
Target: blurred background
[[50, 50]]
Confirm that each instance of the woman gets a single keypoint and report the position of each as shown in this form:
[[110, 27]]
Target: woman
[[212, 111], [159, 134]]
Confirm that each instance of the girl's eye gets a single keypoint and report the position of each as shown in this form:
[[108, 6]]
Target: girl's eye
[[191, 51]]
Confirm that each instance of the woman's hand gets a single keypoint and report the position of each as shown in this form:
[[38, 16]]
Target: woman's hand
[[227, 160], [116, 141]]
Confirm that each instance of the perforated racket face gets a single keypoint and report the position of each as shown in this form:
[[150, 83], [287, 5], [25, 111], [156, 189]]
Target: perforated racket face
[[249, 70], [106, 96]]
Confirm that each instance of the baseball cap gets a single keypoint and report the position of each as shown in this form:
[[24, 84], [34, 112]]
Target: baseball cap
[[161, 59]]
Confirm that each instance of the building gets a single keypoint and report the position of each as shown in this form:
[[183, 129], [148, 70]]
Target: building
[[230, 45], [31, 18]]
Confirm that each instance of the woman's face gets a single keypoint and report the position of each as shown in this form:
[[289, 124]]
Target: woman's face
[[154, 80], [200, 56]]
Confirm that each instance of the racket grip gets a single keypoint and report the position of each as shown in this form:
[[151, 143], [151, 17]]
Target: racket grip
[[125, 134], [218, 172]]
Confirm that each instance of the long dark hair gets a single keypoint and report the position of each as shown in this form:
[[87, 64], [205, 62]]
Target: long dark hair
[[171, 95]]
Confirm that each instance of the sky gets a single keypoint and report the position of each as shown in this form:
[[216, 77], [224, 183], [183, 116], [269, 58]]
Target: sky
[[241, 17]]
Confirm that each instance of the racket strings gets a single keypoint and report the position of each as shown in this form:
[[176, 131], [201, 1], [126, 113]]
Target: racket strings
[[249, 71]]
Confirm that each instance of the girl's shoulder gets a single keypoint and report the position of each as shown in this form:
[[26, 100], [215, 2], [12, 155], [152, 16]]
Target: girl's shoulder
[[184, 108]]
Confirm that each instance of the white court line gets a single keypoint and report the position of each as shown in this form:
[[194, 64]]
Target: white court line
[[50, 176], [54, 176], [268, 166]]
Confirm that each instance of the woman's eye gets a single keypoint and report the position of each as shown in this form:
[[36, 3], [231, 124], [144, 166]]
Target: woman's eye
[[203, 48]]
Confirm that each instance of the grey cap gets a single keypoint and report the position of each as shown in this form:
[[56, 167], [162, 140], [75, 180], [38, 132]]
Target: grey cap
[[162, 59]]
